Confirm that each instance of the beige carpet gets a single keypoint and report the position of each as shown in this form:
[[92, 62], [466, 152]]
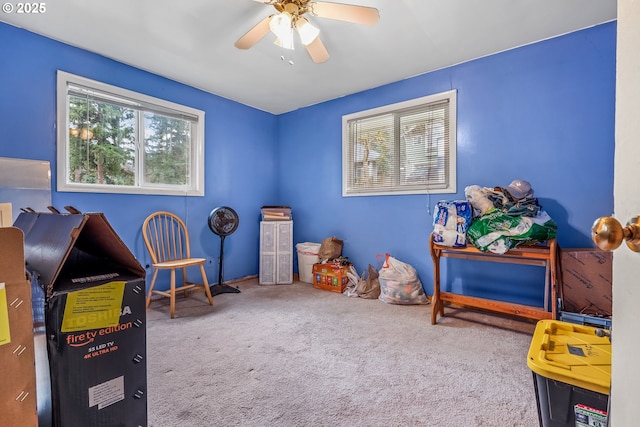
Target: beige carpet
[[292, 355]]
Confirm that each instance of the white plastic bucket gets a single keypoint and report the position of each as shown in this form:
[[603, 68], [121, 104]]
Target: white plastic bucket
[[307, 256]]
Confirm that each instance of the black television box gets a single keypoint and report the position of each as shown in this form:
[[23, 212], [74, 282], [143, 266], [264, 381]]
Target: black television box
[[95, 318]]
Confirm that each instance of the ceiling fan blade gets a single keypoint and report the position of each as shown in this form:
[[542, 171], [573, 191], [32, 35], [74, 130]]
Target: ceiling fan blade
[[346, 12], [254, 35], [317, 51]]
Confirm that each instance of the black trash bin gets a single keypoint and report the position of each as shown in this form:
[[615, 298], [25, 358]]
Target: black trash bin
[[571, 367]]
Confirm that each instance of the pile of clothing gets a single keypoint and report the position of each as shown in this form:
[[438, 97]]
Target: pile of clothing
[[497, 219]]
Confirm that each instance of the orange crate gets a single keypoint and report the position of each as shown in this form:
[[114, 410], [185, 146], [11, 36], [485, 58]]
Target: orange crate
[[330, 277]]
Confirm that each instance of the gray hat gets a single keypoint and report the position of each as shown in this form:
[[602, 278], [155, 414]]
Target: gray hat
[[519, 189]]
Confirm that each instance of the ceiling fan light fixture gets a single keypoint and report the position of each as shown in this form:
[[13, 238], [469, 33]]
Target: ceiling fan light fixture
[[285, 43], [281, 25], [290, 15], [306, 31]]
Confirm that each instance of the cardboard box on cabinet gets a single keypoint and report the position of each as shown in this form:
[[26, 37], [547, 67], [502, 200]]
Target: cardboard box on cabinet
[[18, 403], [586, 281], [95, 318]]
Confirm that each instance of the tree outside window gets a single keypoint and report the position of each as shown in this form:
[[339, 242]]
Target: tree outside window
[[114, 140]]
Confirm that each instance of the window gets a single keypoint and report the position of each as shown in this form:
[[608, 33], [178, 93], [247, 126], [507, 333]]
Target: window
[[113, 140], [403, 148]]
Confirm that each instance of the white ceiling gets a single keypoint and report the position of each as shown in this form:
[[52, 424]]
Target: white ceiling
[[192, 41]]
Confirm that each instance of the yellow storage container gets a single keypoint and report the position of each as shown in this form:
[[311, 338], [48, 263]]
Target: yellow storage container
[[571, 367]]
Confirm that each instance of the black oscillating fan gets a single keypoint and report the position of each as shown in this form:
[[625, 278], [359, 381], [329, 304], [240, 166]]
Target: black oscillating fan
[[223, 221]]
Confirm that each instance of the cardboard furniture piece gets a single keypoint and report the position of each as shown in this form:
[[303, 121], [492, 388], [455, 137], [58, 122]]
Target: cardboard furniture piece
[[18, 404], [95, 318], [587, 281]]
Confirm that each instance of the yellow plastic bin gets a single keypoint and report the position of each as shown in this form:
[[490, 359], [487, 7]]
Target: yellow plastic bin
[[571, 368]]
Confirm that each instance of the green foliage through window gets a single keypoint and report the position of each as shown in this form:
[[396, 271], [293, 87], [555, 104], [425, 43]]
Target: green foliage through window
[[101, 143], [166, 150], [113, 140]]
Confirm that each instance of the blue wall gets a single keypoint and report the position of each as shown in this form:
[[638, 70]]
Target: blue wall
[[241, 157], [543, 112]]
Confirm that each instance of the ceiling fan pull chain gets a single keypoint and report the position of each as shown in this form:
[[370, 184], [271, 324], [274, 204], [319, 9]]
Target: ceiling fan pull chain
[[290, 61]]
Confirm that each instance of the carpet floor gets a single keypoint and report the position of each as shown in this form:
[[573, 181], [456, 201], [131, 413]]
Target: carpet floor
[[293, 355]]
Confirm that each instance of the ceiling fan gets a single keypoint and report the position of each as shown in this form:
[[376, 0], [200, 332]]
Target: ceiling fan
[[291, 15]]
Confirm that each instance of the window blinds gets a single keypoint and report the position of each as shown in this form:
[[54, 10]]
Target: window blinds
[[400, 150]]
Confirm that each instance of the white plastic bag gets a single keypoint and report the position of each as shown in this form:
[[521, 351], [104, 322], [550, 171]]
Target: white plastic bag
[[451, 218], [399, 283]]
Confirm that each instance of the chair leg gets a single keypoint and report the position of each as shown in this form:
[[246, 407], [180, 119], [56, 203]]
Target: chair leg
[[207, 290], [185, 282], [153, 283], [173, 293]]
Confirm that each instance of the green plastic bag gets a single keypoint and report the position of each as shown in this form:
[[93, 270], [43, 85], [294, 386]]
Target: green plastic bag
[[496, 232]]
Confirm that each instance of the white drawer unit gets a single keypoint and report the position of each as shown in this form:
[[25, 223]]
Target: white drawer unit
[[276, 252]]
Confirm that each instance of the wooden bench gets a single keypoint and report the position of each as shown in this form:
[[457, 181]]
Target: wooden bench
[[539, 255]]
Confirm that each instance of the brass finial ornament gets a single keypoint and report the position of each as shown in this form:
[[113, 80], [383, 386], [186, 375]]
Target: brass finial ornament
[[607, 233]]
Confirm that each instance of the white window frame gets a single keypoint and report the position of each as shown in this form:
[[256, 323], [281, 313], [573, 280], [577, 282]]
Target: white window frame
[[450, 168], [195, 186]]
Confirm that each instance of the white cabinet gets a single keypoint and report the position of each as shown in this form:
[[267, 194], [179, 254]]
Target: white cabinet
[[276, 252]]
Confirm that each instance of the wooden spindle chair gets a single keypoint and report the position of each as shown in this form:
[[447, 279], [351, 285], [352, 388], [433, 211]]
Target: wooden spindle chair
[[167, 240]]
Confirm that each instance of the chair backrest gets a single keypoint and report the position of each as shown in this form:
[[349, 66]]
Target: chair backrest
[[166, 237]]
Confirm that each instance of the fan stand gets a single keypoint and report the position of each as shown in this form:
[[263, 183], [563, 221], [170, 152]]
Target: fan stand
[[219, 220], [221, 288]]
